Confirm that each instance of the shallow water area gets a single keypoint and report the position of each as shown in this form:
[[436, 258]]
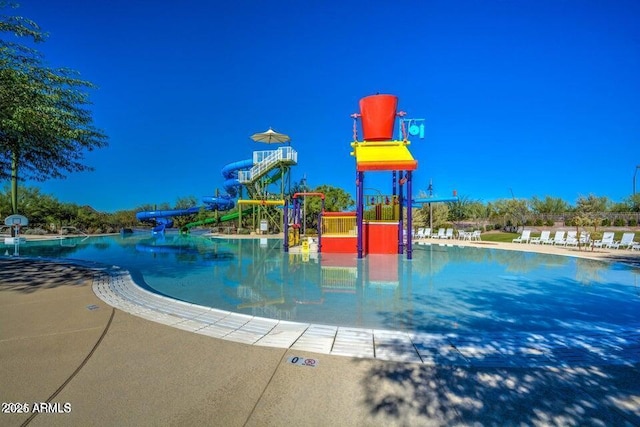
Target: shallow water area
[[444, 289]]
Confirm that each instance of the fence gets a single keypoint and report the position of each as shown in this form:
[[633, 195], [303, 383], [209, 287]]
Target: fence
[[339, 225]]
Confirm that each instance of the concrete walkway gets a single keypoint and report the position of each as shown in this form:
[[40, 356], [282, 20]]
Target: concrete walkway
[[65, 351]]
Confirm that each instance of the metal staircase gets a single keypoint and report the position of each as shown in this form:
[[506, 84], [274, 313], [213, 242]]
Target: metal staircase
[[264, 161]]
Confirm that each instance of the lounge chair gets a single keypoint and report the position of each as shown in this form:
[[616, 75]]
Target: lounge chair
[[476, 235], [572, 239], [427, 233], [449, 233], [544, 238], [524, 237], [626, 242], [584, 238], [607, 239], [441, 234], [464, 235], [636, 247], [558, 239]]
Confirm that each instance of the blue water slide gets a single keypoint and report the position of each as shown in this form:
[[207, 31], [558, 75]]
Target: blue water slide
[[230, 173], [162, 217], [148, 215], [222, 203]]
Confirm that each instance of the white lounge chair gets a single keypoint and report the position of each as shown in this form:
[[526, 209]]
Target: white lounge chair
[[544, 238], [572, 238], [524, 237], [464, 235], [449, 233], [441, 234], [626, 242], [427, 233], [476, 235], [558, 239], [607, 239], [584, 238]]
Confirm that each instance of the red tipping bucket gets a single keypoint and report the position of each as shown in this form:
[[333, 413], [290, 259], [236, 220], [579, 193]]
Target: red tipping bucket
[[378, 115]]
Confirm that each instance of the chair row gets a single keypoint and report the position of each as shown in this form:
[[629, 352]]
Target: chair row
[[571, 238], [446, 233]]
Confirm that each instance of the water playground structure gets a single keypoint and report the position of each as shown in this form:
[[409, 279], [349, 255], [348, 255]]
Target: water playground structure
[[381, 224], [248, 184], [378, 225]]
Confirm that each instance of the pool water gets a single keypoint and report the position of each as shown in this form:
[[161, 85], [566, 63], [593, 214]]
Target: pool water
[[444, 289]]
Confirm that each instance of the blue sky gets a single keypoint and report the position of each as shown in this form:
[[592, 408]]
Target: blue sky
[[520, 97]]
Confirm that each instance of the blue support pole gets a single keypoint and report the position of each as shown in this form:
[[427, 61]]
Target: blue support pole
[[360, 210], [400, 222], [285, 219], [409, 217], [320, 229]]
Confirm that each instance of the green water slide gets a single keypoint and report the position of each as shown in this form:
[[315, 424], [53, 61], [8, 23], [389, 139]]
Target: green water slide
[[223, 218]]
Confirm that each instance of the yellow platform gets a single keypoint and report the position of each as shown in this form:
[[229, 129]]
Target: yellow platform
[[383, 156]]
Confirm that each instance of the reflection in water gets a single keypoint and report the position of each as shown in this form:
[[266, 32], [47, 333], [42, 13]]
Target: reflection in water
[[443, 289]]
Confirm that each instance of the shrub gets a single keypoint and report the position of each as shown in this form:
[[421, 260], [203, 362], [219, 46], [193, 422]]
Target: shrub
[[36, 230], [538, 222], [606, 222], [633, 222], [618, 222], [549, 223]]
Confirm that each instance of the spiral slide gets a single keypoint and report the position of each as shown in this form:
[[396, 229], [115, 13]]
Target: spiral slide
[[162, 218]]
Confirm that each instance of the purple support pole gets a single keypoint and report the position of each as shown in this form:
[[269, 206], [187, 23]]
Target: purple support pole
[[409, 217], [359, 210], [320, 228], [394, 181], [296, 211], [400, 222], [285, 215]]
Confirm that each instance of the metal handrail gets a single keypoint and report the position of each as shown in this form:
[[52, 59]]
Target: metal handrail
[[264, 163]]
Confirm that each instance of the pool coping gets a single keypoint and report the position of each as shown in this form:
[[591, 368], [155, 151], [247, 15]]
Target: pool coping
[[600, 345]]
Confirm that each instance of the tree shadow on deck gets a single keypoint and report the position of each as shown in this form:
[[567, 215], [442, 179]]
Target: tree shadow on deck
[[29, 275], [417, 394]]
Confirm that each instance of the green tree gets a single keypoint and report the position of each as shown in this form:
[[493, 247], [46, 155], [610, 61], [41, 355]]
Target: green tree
[[185, 203], [458, 209], [548, 205], [592, 204], [45, 125], [336, 200], [511, 212], [630, 204], [440, 212]]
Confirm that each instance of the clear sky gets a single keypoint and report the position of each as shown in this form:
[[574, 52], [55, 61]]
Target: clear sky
[[520, 97]]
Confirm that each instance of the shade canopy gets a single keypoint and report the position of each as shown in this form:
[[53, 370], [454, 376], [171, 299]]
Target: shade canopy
[[270, 137]]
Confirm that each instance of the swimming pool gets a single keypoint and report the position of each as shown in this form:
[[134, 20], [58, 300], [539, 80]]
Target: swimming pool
[[444, 289]]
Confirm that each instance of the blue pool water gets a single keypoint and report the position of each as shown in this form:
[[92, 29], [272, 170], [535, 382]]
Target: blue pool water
[[444, 289]]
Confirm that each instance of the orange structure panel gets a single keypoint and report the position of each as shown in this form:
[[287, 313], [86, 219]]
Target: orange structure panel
[[409, 165], [381, 237], [339, 244]]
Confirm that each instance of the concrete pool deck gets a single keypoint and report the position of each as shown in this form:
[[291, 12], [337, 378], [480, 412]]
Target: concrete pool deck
[[61, 344]]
